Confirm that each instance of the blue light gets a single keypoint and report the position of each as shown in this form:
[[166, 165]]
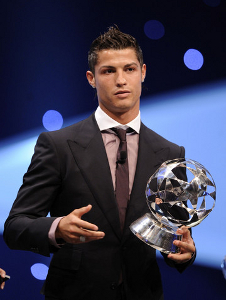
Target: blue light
[[154, 29], [39, 271], [212, 3], [52, 120], [193, 59]]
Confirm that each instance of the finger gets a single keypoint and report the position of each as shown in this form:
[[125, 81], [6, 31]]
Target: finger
[[184, 231], [86, 225], [76, 231], [86, 239], [81, 211], [2, 285], [186, 252], [186, 246], [2, 274], [87, 233], [90, 233], [180, 258]]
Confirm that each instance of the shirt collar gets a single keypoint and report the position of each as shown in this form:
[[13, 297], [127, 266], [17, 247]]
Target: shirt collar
[[105, 122]]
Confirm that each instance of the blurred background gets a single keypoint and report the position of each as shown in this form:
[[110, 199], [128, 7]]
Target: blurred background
[[43, 61]]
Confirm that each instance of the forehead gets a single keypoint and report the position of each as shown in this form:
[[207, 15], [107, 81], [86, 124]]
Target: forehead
[[111, 57]]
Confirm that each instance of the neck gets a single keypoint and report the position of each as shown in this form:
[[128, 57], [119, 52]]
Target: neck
[[122, 117]]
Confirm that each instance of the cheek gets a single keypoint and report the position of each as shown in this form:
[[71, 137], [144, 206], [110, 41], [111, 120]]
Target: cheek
[[137, 80], [103, 89], [102, 93], [138, 88]]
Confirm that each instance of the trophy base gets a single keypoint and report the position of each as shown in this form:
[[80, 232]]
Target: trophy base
[[155, 234]]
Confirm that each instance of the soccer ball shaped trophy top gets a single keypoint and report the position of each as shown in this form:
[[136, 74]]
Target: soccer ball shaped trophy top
[[180, 192]]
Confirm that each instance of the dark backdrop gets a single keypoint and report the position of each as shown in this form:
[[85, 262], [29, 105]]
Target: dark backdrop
[[44, 45], [43, 60]]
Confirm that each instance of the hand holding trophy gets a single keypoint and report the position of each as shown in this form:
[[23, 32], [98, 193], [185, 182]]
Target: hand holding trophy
[[174, 202]]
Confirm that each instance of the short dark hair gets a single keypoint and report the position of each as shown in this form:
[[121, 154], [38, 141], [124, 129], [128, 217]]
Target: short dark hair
[[113, 39]]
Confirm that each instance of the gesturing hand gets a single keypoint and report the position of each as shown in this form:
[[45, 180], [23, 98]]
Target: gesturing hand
[[2, 274], [187, 246], [72, 229]]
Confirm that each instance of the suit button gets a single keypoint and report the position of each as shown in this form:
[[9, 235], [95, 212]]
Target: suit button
[[113, 286]]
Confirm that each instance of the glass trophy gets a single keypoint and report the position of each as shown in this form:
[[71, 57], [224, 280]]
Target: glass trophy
[[180, 192]]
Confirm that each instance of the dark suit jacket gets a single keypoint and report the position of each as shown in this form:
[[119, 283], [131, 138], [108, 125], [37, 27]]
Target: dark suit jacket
[[70, 169]]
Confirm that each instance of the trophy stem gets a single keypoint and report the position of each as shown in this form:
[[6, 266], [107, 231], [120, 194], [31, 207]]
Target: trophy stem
[[155, 234]]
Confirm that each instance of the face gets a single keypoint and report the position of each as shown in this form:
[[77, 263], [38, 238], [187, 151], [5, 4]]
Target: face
[[118, 79]]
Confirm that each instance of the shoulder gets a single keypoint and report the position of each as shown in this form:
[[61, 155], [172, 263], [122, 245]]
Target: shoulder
[[70, 132], [155, 137], [158, 142]]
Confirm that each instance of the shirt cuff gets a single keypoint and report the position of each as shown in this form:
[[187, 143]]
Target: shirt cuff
[[51, 234]]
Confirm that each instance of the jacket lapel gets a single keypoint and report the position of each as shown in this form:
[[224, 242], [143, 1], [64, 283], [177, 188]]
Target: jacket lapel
[[150, 156], [89, 153]]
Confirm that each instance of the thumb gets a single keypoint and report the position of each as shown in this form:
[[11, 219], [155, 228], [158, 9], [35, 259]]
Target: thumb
[[83, 210]]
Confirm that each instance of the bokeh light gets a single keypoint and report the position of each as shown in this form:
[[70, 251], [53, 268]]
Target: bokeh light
[[52, 120], [154, 29], [39, 271], [193, 59]]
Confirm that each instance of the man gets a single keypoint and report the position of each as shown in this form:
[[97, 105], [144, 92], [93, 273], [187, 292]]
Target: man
[[73, 175]]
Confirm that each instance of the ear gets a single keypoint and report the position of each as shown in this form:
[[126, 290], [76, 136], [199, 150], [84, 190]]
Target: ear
[[143, 72], [91, 79]]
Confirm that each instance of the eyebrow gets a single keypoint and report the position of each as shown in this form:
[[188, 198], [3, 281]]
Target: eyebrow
[[126, 66], [133, 63]]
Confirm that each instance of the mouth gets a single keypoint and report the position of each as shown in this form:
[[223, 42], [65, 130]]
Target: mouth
[[122, 92]]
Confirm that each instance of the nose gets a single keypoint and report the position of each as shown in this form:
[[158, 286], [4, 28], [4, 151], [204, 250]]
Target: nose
[[120, 79]]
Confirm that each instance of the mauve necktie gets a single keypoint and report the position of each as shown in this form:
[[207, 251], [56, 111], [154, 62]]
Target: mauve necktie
[[122, 176]]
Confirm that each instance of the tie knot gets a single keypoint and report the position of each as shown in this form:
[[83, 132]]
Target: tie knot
[[121, 133], [122, 150]]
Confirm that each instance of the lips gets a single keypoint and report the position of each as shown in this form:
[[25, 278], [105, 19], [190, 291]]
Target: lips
[[122, 92]]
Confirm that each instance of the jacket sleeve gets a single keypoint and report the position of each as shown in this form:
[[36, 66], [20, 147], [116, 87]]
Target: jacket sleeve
[[27, 225]]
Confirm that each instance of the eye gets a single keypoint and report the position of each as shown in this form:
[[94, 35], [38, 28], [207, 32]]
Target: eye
[[130, 69], [108, 71]]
